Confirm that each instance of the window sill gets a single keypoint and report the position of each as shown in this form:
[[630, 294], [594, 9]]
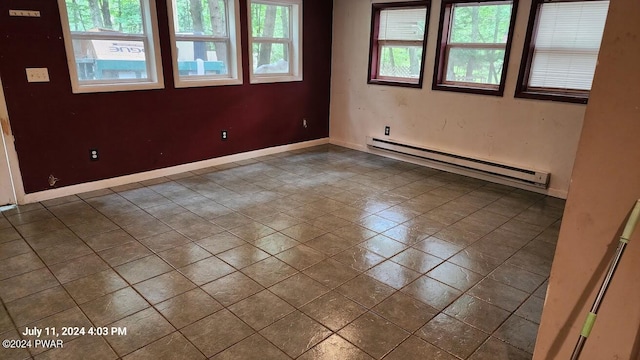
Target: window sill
[[551, 96], [398, 83], [203, 82], [97, 88], [469, 90], [274, 79]]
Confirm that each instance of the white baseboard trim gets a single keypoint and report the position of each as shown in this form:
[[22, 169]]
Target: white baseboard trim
[[148, 175], [354, 146], [562, 194]]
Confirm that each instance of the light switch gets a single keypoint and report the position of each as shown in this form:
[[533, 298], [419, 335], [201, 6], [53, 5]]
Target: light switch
[[37, 75]]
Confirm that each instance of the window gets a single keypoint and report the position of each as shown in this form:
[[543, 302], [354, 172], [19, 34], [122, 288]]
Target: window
[[561, 50], [205, 37], [111, 45], [398, 41], [275, 40], [474, 41]]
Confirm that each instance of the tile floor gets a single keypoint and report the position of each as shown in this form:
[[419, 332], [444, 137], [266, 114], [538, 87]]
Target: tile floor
[[323, 253]]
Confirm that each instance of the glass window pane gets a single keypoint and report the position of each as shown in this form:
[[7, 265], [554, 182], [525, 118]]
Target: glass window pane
[[481, 66], [402, 24], [110, 59], [123, 16], [270, 58], [400, 61], [270, 21], [200, 17], [198, 58], [480, 24]]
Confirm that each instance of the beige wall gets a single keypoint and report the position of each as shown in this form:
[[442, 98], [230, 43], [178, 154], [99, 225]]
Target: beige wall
[[605, 184], [530, 133]]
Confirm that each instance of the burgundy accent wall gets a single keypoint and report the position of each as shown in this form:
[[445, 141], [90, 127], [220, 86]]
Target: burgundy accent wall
[[137, 131]]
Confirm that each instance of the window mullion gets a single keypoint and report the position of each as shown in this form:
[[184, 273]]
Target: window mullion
[[399, 43], [183, 37], [286, 43], [567, 50], [107, 36], [272, 39], [477, 45]]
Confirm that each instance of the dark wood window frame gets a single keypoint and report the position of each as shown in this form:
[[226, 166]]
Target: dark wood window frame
[[571, 96], [374, 47], [441, 52]]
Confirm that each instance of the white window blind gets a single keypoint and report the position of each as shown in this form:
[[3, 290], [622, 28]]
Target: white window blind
[[402, 24], [567, 43]]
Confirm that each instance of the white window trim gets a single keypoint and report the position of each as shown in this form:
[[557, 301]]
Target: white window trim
[[152, 51], [295, 69], [235, 51]]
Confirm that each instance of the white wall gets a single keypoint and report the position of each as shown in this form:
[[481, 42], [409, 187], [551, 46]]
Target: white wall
[[531, 133]]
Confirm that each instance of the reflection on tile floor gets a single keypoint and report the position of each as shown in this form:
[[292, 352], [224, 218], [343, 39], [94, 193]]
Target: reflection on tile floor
[[322, 253]]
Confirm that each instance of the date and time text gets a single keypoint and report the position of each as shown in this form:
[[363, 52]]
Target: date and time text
[[52, 337]]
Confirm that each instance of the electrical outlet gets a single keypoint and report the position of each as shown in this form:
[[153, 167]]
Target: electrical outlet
[[387, 130], [37, 75], [224, 135], [304, 123], [93, 154]]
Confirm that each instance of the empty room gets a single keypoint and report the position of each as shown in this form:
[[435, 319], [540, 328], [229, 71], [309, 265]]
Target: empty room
[[320, 179]]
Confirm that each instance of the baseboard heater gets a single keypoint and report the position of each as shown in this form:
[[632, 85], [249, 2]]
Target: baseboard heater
[[482, 169]]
